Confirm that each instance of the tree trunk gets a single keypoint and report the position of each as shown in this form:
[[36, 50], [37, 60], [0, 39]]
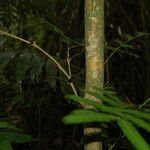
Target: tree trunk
[[94, 47]]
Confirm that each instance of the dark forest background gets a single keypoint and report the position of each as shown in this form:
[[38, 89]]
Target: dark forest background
[[32, 89]]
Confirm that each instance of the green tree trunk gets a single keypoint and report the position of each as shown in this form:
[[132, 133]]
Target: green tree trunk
[[94, 47]]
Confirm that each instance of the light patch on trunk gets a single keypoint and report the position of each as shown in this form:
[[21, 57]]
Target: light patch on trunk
[[94, 64], [95, 74], [92, 38]]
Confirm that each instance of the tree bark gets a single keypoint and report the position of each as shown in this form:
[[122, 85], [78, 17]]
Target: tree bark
[[94, 53]]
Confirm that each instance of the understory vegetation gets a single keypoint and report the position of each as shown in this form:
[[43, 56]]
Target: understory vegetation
[[42, 76]]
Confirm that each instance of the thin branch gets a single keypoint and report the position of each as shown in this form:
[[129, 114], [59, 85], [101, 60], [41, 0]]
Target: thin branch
[[68, 62], [135, 37], [44, 52]]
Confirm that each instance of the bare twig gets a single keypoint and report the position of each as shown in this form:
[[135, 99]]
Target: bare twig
[[44, 52]]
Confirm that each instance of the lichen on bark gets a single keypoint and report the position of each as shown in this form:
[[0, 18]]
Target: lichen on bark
[[94, 43], [94, 53]]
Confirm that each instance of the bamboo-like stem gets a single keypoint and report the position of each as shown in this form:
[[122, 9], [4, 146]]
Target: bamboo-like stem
[[45, 53]]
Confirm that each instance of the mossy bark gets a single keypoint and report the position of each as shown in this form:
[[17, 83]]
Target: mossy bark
[[94, 53]]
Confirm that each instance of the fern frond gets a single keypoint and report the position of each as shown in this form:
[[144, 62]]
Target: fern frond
[[133, 135], [138, 113], [139, 122], [108, 100], [86, 116]]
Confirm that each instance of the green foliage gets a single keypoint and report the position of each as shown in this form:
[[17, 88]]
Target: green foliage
[[85, 116], [5, 124], [137, 121], [112, 109], [126, 47], [109, 99], [28, 65], [133, 135], [44, 22], [11, 134], [5, 58], [13, 137], [51, 71], [23, 64], [5, 144], [36, 66]]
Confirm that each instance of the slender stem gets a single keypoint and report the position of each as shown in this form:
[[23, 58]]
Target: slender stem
[[44, 52], [137, 36], [73, 88], [68, 62]]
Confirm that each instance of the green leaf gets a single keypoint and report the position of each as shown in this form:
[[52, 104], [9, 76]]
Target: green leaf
[[139, 122], [143, 104], [5, 58], [29, 62], [23, 66], [51, 71], [124, 45], [108, 100], [5, 124], [97, 105], [83, 100], [108, 93], [147, 110], [138, 113], [117, 100], [123, 51], [110, 90], [133, 135], [36, 66], [86, 116], [5, 144], [16, 137], [54, 28], [115, 110]]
